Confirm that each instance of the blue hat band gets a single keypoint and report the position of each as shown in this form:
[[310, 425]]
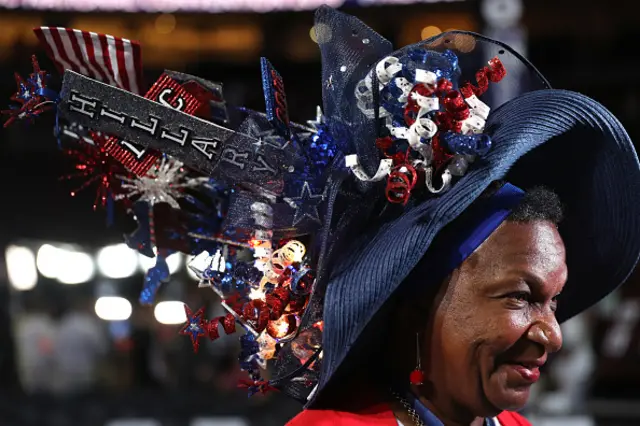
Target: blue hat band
[[477, 228]]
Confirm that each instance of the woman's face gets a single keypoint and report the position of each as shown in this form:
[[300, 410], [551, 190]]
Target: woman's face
[[494, 324]]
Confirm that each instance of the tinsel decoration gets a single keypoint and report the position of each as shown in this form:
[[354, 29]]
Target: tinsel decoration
[[94, 165]]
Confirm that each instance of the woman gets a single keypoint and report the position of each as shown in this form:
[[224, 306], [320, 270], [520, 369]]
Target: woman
[[446, 312], [489, 325], [433, 284]]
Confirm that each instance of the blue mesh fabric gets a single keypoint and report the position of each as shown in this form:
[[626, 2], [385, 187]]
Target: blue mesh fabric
[[367, 248]]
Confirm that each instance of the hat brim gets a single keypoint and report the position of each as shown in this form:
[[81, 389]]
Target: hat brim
[[560, 139]]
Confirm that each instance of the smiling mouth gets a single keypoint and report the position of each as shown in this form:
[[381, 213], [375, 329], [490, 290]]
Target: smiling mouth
[[528, 373]]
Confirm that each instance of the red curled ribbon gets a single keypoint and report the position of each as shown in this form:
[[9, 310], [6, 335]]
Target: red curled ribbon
[[228, 325], [492, 73], [257, 312], [412, 108], [440, 154], [401, 181], [411, 112], [446, 122], [384, 144], [444, 86], [456, 106], [260, 312], [277, 301]]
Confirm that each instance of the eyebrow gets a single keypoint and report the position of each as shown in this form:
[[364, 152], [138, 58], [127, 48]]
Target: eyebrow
[[532, 279], [535, 281]]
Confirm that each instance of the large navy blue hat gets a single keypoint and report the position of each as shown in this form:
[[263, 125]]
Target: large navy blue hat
[[539, 136], [408, 141]]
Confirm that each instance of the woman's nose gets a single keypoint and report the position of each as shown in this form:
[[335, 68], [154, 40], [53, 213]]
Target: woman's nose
[[547, 333]]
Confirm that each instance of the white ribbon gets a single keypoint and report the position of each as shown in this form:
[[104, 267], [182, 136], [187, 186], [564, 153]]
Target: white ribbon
[[426, 103], [472, 125], [406, 87], [476, 121], [478, 107], [364, 98], [262, 252], [387, 69], [421, 128], [384, 168], [426, 77], [446, 181]]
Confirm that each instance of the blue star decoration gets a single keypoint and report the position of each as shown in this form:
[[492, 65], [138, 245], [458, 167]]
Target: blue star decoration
[[306, 205], [195, 327]]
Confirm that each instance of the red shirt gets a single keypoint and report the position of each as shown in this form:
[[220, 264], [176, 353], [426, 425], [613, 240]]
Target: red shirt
[[380, 415]]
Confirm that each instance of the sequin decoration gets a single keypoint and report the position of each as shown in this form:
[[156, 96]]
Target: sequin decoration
[[324, 143], [268, 304], [434, 130], [32, 94]]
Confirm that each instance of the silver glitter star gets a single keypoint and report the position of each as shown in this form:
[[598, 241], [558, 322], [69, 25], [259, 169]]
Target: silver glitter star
[[270, 138], [164, 184], [314, 124]]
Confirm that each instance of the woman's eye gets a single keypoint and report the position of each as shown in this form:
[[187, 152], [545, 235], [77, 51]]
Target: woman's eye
[[520, 296], [554, 304]]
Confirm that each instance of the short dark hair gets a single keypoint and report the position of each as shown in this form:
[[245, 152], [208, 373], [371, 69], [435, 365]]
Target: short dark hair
[[539, 203]]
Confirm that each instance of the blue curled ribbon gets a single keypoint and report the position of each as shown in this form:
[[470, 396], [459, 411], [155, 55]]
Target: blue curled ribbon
[[478, 144], [443, 65], [153, 279]]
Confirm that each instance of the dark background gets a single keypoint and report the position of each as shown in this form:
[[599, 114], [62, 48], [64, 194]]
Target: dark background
[[586, 46]]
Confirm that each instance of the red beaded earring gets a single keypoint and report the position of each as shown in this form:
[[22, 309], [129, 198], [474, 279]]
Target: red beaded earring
[[417, 376]]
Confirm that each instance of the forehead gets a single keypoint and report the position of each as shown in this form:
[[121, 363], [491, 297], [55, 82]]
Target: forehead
[[535, 248]]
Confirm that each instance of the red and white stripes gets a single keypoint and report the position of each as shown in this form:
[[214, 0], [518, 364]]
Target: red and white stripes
[[112, 60]]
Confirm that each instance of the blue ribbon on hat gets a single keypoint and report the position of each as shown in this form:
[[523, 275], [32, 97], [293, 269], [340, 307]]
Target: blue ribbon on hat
[[481, 224], [471, 231]]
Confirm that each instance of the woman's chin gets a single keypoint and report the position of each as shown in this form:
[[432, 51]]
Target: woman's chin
[[506, 395], [509, 399]]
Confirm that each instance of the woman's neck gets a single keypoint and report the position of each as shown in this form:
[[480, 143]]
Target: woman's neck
[[402, 414]]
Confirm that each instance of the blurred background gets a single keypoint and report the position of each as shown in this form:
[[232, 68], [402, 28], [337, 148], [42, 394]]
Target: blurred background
[[76, 349]]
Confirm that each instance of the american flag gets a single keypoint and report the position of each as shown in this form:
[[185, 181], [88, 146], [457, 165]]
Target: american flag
[[112, 60]]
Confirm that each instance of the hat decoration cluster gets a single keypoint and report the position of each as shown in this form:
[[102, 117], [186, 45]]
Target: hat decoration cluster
[[244, 203], [432, 126]]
